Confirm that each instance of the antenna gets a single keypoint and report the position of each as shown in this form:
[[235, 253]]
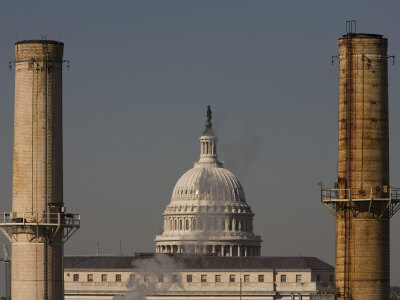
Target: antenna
[[351, 26]]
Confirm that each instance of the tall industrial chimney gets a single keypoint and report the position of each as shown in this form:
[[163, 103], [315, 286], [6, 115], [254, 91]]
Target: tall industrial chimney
[[362, 200], [38, 225]]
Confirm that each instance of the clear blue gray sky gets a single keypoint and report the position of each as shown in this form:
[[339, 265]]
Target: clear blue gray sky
[[141, 76]]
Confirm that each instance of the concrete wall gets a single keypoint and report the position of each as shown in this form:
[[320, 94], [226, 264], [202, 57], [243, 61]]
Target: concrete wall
[[253, 289]]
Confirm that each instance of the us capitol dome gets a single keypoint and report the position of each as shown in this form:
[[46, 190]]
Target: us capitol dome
[[208, 213]]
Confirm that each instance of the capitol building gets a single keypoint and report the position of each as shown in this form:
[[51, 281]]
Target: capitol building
[[208, 213], [207, 250]]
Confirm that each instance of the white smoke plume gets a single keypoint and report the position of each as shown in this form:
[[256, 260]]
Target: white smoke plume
[[147, 272], [239, 155]]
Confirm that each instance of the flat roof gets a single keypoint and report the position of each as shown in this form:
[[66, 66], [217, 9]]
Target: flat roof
[[193, 262]]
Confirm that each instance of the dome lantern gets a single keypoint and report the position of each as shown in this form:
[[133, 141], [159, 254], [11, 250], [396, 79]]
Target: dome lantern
[[208, 143]]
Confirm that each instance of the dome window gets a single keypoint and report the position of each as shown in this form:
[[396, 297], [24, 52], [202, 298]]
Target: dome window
[[187, 224], [180, 225], [194, 224]]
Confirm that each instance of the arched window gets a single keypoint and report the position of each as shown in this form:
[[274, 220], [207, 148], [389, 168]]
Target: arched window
[[230, 225], [187, 224], [237, 225], [180, 225], [241, 225], [223, 224], [175, 223], [194, 224]]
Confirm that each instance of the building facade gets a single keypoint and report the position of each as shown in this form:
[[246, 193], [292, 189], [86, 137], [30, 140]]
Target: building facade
[[179, 276]]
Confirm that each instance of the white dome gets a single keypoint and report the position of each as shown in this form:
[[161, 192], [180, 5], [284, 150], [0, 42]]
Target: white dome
[[211, 183], [208, 211]]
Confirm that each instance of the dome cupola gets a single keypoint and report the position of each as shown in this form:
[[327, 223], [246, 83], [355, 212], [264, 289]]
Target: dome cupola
[[208, 143], [208, 212]]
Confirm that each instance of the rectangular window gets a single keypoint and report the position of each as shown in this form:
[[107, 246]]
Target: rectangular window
[[203, 278], [318, 278], [260, 278], [283, 278], [118, 278], [76, 277], [132, 277], [231, 278], [298, 278], [103, 277], [146, 278], [331, 278], [189, 278], [246, 278], [217, 278], [161, 278], [90, 277], [175, 278]]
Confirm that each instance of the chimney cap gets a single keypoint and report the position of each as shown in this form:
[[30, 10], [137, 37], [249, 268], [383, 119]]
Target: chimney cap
[[39, 42]]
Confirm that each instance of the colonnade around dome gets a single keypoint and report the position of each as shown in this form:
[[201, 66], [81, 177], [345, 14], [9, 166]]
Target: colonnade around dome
[[211, 249], [198, 223]]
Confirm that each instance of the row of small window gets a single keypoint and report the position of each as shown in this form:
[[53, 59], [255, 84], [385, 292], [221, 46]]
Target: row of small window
[[189, 278], [235, 193], [103, 277], [212, 224], [203, 278]]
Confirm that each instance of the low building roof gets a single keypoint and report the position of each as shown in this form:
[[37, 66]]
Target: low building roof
[[196, 262]]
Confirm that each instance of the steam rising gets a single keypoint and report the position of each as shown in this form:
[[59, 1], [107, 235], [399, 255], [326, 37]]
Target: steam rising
[[239, 155], [147, 274]]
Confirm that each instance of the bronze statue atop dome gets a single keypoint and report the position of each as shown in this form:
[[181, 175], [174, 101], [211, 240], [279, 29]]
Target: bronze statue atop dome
[[208, 130]]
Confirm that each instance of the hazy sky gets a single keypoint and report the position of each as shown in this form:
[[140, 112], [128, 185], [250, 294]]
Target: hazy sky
[[135, 96]]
